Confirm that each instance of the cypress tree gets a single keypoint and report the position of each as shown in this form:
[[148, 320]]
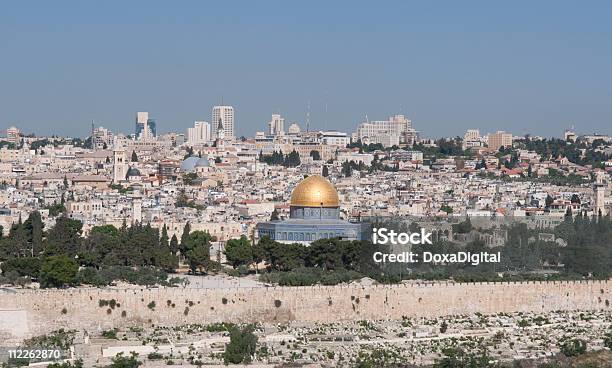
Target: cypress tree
[[185, 235], [163, 241], [174, 245]]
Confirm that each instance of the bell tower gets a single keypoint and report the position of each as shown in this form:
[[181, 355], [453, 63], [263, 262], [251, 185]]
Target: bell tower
[[120, 165]]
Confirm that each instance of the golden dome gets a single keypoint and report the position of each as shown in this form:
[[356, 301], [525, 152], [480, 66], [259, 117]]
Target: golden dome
[[315, 191]]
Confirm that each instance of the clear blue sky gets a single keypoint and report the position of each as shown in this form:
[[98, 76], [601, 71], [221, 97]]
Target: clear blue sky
[[526, 66]]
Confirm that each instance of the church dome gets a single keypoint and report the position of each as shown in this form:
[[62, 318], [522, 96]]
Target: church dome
[[132, 171], [203, 162], [315, 191], [188, 164]]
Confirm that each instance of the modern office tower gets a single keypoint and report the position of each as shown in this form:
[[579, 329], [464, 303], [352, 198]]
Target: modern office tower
[[13, 135], [226, 115], [398, 129], [101, 138], [199, 134], [145, 128], [500, 139], [276, 126], [120, 164]]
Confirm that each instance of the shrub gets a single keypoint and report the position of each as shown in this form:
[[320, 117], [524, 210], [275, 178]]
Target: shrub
[[58, 271], [110, 334], [573, 347], [241, 347]]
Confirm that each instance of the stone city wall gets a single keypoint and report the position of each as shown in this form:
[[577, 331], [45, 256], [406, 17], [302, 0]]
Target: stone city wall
[[34, 312]]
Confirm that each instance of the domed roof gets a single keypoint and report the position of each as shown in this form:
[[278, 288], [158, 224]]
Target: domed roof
[[132, 171], [203, 162], [315, 191], [189, 163]]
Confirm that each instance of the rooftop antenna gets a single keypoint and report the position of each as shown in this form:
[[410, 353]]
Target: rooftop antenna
[[325, 120], [308, 117], [93, 145]]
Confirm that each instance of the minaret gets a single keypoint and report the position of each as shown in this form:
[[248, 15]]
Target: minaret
[[120, 166], [600, 198], [136, 208], [93, 141]]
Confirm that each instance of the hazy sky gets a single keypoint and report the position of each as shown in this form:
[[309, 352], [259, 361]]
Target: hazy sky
[[532, 66]]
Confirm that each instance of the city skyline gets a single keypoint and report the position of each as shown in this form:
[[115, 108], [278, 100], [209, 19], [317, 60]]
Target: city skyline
[[538, 68]]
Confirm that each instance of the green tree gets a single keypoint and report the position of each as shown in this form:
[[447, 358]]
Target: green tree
[[325, 171], [163, 240], [274, 216], [174, 245], [608, 340], [58, 271], [573, 347], [121, 361], [292, 159], [184, 236], [76, 364], [242, 345], [134, 157], [239, 252], [197, 250], [315, 155], [23, 266], [34, 227], [347, 170], [198, 258], [64, 237]]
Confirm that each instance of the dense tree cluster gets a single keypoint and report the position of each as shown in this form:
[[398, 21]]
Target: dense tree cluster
[[366, 147], [326, 261], [578, 152], [277, 158], [443, 148], [54, 256]]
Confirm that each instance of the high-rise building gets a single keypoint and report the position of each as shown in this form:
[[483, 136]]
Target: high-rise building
[[13, 135], [472, 139], [398, 129], [226, 115], [499, 139], [276, 126], [145, 128], [102, 138], [199, 134]]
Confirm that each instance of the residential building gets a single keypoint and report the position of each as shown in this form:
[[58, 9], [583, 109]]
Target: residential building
[[224, 114]]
